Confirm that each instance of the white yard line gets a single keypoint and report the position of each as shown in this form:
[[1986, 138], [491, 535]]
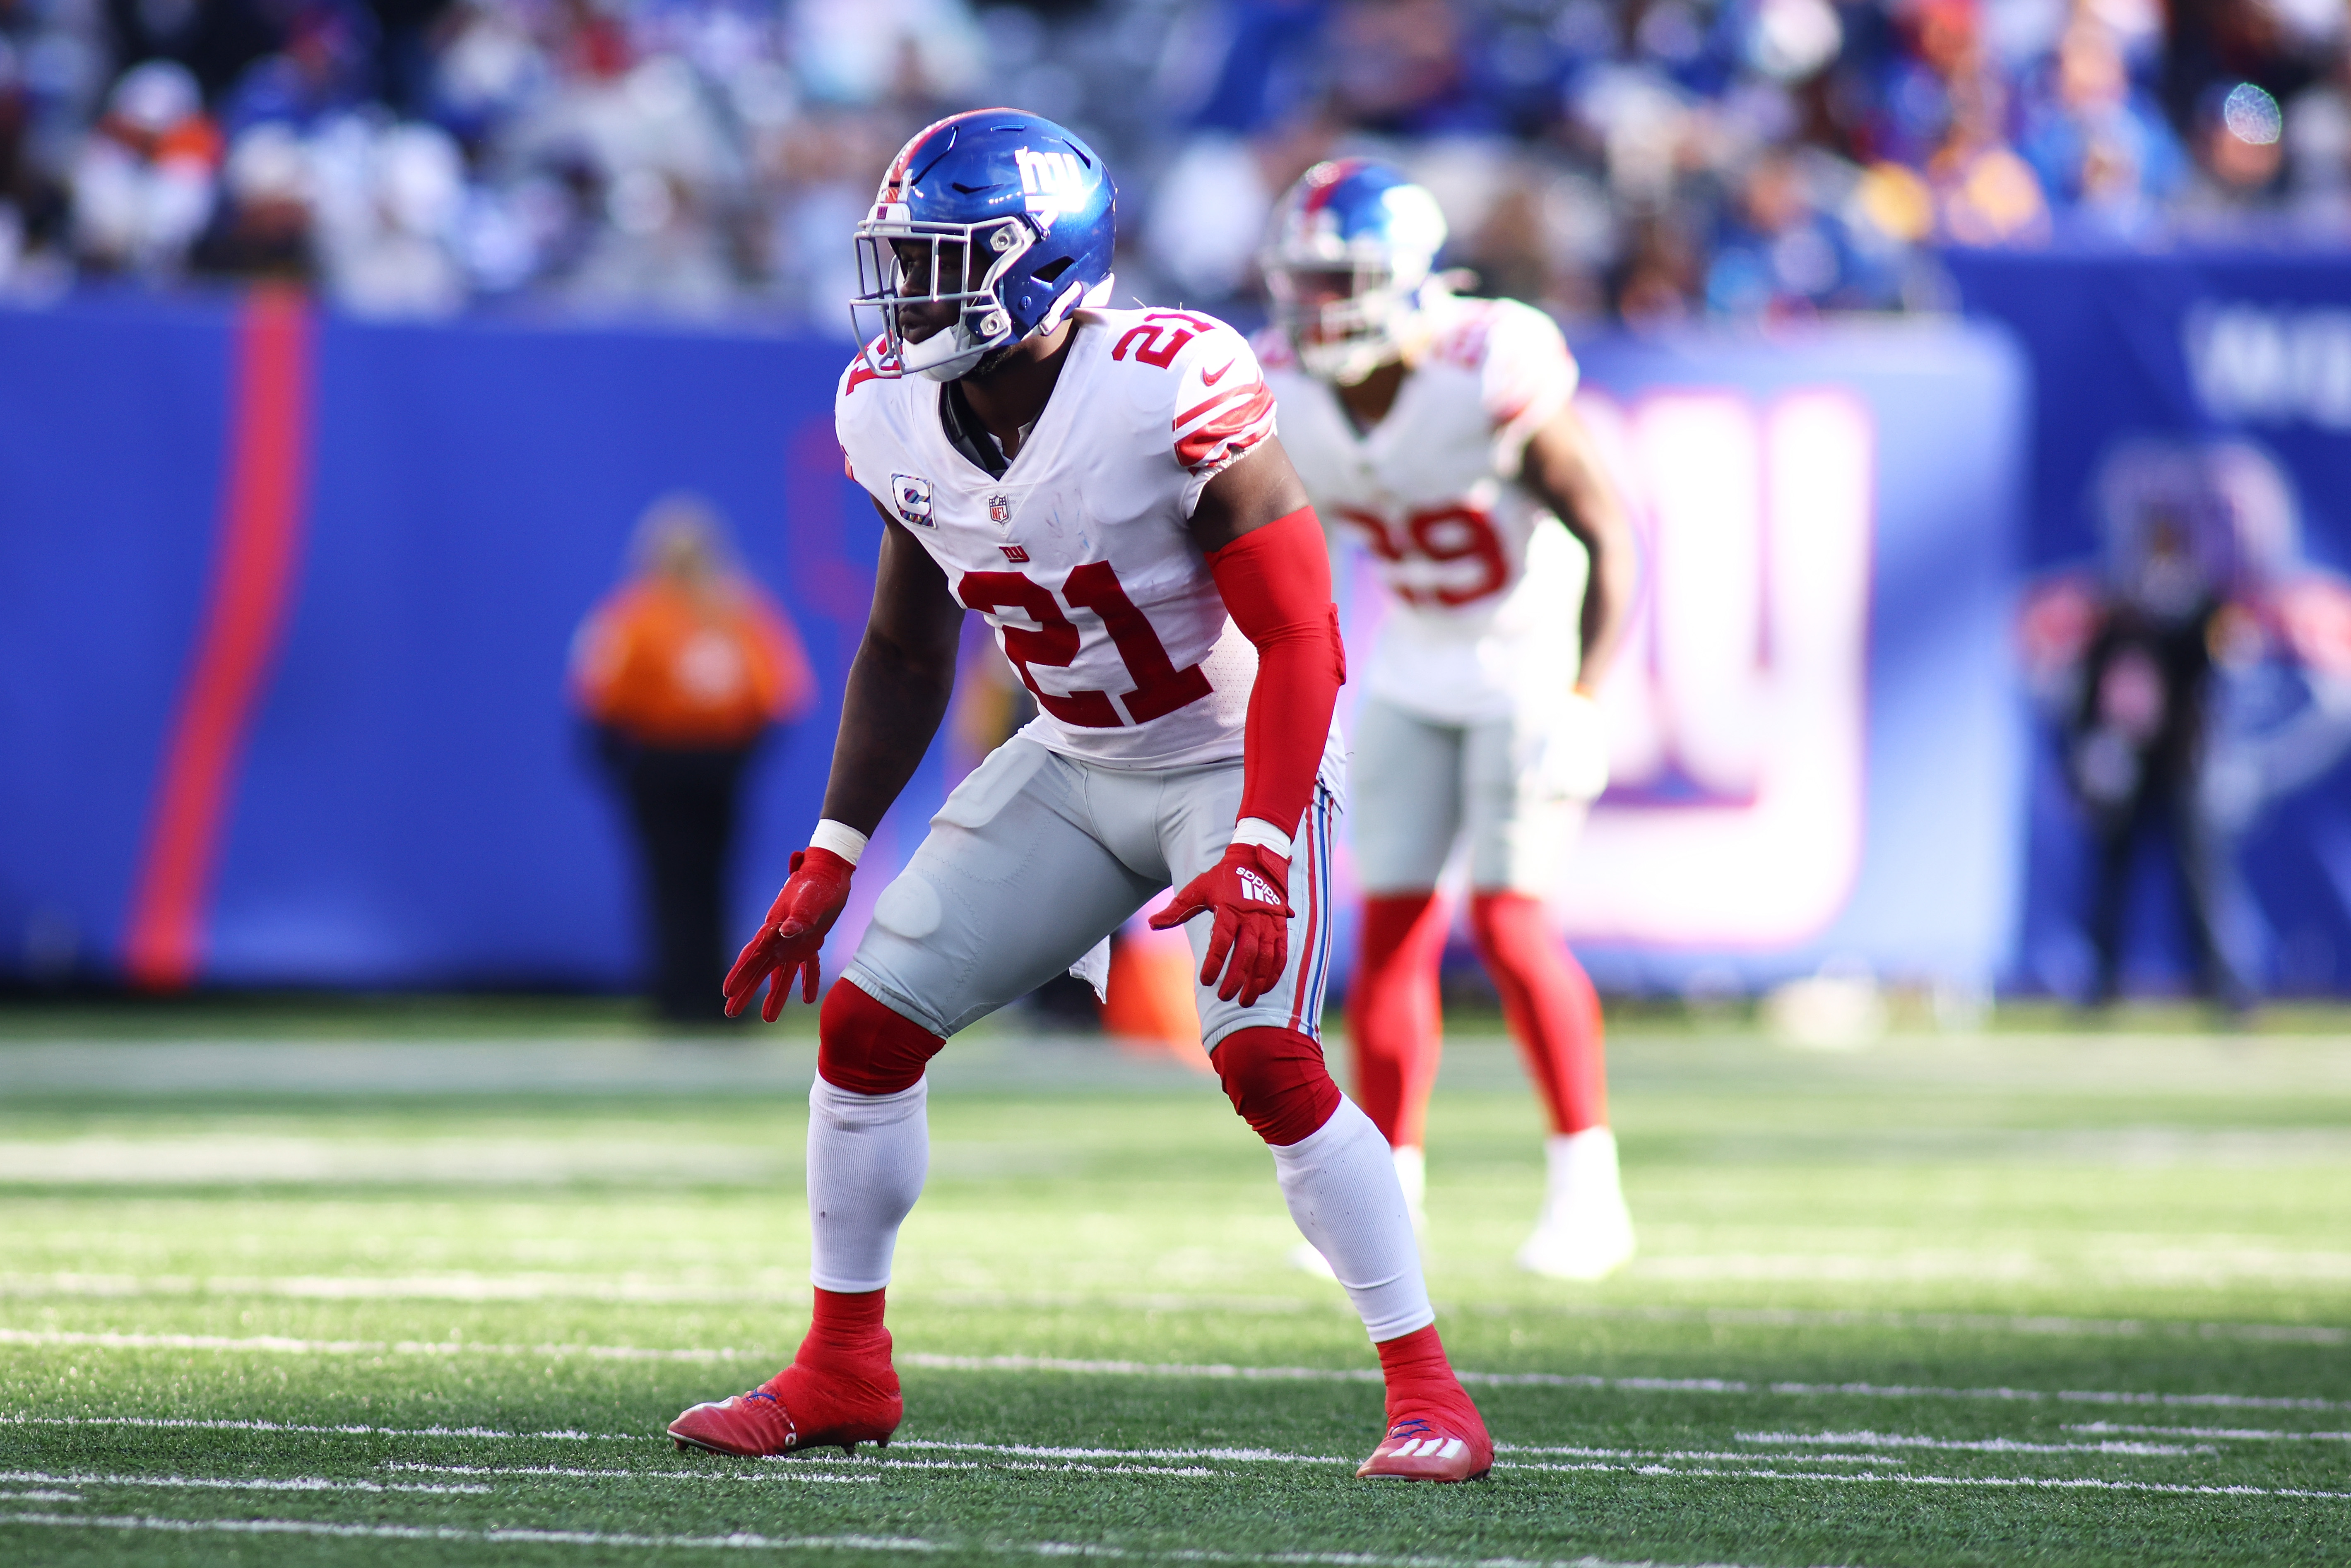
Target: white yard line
[[167, 1423], [1571, 1452], [232, 1483], [273, 1344], [745, 1541], [1896, 1477], [1936, 1323], [1969, 1445], [583, 1473], [276, 1344], [464, 1285], [798, 1471], [2239, 1433]]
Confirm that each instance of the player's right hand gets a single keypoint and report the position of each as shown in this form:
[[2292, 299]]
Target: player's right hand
[[792, 936]]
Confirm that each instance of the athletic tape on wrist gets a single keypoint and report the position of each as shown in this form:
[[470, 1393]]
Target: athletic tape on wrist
[[839, 838], [1258, 830]]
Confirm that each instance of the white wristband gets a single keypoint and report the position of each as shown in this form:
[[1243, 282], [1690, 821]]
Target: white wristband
[[1258, 830], [839, 838]]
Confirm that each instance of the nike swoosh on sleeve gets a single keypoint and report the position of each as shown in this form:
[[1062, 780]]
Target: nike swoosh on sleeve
[[1210, 378]]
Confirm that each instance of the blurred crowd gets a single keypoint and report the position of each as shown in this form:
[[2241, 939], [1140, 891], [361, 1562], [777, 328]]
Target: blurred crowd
[[1645, 160]]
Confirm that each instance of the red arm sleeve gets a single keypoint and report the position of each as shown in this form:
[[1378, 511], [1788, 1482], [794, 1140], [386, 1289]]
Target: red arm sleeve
[[1276, 582]]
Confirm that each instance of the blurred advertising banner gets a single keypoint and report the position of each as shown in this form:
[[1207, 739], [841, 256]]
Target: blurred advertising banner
[[286, 603], [2185, 621], [1814, 734]]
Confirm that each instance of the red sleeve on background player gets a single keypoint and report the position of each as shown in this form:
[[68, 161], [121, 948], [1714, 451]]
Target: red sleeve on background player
[[1276, 583]]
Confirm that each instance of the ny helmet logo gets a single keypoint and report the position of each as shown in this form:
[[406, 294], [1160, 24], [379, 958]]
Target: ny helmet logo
[[1050, 181]]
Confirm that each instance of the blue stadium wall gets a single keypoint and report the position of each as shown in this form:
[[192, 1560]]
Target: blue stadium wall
[[285, 602]]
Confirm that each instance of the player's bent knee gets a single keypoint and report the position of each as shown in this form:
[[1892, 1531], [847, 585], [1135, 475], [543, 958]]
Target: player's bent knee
[[865, 1048], [1276, 1079]]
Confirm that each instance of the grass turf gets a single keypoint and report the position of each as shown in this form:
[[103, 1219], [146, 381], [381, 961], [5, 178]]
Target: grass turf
[[2017, 1298]]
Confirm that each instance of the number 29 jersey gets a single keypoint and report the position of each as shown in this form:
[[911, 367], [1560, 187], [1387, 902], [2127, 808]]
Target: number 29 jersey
[[1484, 598], [1079, 555]]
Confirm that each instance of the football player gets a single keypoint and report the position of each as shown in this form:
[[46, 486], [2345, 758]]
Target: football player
[[1436, 431], [1105, 487]]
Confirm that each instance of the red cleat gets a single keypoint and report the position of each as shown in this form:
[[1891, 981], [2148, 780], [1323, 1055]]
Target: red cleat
[[841, 1389], [1435, 1433], [797, 1408], [1418, 1450]]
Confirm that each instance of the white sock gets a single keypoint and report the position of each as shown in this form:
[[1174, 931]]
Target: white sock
[[1582, 1168], [867, 1155], [1340, 1181]]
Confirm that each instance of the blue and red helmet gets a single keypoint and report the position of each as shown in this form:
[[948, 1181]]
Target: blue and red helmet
[[1004, 215], [1346, 259]]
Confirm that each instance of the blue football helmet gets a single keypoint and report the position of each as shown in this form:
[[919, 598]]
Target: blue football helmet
[[1005, 216], [1347, 261]]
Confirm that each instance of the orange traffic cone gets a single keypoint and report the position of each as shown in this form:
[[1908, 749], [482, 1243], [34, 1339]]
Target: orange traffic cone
[[1149, 1009]]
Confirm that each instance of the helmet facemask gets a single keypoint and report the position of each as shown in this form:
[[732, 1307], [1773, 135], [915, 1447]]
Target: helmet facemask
[[1346, 321], [925, 270]]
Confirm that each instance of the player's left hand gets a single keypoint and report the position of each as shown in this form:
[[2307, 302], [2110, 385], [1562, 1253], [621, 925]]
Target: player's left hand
[[792, 935], [1573, 762], [1248, 892]]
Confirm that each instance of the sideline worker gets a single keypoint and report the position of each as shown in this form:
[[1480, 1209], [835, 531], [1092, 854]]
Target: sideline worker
[[683, 670]]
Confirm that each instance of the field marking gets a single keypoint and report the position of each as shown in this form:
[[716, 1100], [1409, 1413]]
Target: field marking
[[1973, 1445], [171, 1423], [2242, 1432], [270, 1343], [277, 1344], [1940, 1322], [745, 1541], [465, 1285], [582, 1473], [798, 1460], [233, 1483], [2054, 1484]]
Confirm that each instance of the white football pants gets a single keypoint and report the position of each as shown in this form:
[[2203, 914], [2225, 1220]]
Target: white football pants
[[1034, 858], [1419, 784]]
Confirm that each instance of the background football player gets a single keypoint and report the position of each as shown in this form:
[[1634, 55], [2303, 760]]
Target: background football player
[[1104, 487], [1437, 431]]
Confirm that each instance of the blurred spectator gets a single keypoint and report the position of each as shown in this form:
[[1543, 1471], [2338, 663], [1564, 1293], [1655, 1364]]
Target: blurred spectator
[[143, 181], [683, 671], [1654, 158], [264, 228], [2098, 143]]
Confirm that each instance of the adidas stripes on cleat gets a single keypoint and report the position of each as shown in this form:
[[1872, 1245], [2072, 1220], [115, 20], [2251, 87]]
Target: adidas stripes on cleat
[[794, 1410], [1417, 1450]]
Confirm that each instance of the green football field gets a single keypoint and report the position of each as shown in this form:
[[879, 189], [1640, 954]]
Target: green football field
[[409, 1288]]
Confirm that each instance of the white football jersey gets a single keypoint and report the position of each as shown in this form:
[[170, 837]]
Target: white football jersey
[[1485, 588], [1079, 556]]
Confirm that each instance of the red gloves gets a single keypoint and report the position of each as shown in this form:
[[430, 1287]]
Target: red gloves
[[1248, 892], [793, 933]]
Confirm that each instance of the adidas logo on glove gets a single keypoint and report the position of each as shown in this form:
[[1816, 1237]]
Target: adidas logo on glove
[[1256, 887]]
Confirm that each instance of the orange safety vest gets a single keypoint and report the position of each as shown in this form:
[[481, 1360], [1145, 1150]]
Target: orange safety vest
[[668, 667]]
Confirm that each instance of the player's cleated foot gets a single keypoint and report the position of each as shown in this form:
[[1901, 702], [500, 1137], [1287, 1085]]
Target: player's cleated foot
[[797, 1408], [1422, 1448], [1585, 1232]]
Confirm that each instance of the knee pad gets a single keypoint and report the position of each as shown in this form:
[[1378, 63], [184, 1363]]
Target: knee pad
[[1276, 1079], [866, 1048]]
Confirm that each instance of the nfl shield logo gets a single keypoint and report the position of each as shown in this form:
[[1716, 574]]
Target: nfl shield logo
[[1000, 509], [913, 495]]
